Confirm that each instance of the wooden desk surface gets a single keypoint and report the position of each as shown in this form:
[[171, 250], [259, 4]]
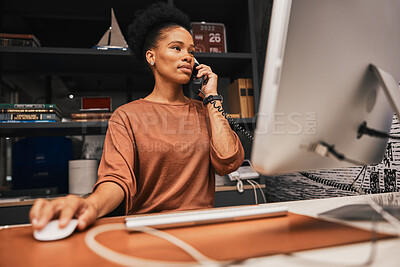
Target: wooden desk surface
[[12, 202], [232, 240]]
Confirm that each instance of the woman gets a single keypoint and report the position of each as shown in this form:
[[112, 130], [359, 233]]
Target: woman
[[161, 152]]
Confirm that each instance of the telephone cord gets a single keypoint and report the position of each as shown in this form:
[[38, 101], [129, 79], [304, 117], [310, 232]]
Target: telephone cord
[[232, 122]]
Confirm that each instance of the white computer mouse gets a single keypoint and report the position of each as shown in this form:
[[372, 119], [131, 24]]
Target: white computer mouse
[[53, 232]]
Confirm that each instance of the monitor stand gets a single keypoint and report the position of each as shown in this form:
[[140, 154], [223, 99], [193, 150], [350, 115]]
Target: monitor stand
[[392, 91], [390, 87]]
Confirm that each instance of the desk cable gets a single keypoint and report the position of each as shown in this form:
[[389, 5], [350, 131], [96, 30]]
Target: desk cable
[[262, 192], [253, 183], [255, 191], [127, 260]]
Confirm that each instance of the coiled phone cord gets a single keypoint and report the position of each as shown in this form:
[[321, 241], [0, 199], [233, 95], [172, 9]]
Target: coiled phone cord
[[232, 122]]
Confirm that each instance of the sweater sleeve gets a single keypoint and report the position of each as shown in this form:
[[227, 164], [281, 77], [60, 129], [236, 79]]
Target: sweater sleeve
[[225, 165], [118, 160]]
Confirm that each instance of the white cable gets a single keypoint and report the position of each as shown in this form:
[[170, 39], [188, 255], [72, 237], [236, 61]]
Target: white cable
[[259, 187], [239, 185], [255, 190], [127, 260]]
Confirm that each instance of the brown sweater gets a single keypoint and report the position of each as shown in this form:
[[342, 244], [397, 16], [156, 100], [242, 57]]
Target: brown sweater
[[162, 156]]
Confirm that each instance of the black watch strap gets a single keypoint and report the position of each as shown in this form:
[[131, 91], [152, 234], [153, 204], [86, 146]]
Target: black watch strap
[[210, 98]]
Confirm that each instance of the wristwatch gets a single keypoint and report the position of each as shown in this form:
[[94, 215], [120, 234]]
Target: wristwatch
[[210, 98]]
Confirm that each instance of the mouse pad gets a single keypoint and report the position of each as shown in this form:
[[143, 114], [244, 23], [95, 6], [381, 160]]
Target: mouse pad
[[239, 240], [224, 241]]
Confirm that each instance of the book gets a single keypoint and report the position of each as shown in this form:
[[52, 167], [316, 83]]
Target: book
[[28, 110], [234, 115], [250, 98], [18, 36], [29, 116], [27, 106], [93, 110], [17, 42], [96, 104], [93, 116], [26, 121], [237, 98], [85, 120]]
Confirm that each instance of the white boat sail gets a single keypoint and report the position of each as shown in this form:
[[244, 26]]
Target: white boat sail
[[113, 38]]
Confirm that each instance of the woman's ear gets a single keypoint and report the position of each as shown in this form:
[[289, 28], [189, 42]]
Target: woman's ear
[[150, 57]]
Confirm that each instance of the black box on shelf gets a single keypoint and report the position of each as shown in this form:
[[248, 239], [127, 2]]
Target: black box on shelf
[[39, 162]]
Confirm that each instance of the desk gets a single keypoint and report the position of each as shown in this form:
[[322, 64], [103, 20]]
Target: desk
[[387, 250], [16, 210]]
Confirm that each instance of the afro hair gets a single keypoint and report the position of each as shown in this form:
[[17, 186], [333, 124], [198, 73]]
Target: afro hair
[[146, 29]]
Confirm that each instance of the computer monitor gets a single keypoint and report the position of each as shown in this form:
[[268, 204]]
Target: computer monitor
[[330, 66]]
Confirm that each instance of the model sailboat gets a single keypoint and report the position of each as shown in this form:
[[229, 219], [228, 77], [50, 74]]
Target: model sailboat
[[113, 38]]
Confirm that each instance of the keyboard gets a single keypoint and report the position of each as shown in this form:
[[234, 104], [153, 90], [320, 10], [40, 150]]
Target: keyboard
[[198, 217]]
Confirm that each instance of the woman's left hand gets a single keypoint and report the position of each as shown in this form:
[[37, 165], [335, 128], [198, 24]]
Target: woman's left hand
[[210, 80]]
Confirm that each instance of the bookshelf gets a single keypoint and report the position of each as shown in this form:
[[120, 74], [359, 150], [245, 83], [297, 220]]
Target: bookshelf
[[68, 31], [63, 57]]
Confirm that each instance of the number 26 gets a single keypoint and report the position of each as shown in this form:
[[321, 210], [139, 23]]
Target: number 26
[[215, 37]]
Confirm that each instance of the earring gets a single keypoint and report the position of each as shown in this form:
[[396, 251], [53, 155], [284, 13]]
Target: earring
[[152, 63]]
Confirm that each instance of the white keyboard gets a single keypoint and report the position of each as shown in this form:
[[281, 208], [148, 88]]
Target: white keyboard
[[186, 218]]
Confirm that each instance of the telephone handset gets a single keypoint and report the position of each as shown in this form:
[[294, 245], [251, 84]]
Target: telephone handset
[[196, 83]]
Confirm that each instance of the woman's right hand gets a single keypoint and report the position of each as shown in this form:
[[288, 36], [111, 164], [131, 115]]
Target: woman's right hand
[[64, 209]]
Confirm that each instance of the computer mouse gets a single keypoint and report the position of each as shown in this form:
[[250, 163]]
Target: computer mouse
[[53, 232]]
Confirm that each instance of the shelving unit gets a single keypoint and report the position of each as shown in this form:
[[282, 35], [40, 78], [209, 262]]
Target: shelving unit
[[239, 61], [68, 30]]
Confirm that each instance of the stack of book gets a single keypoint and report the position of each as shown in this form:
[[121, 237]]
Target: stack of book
[[93, 109], [91, 116], [14, 39], [241, 98], [20, 113]]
